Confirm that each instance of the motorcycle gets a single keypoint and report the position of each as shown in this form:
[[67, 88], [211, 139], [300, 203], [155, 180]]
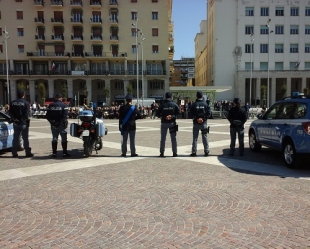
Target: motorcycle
[[91, 131]]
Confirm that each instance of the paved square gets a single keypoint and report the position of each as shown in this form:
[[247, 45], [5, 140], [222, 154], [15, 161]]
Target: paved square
[[107, 201]]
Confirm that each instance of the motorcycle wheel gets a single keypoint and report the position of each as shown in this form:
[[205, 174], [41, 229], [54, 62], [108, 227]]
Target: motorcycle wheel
[[87, 147]]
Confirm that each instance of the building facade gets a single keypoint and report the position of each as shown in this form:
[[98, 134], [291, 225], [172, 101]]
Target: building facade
[[260, 48], [183, 72], [86, 49], [201, 56]]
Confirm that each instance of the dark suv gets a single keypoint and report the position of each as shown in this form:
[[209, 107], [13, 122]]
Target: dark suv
[[285, 127]]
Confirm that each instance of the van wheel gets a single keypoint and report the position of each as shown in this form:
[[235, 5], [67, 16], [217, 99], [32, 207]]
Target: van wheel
[[289, 155], [253, 144]]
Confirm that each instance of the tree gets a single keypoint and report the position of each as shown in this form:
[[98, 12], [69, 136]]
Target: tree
[[264, 94], [42, 91], [64, 90], [306, 91], [283, 91], [129, 88], [106, 91], [21, 86]]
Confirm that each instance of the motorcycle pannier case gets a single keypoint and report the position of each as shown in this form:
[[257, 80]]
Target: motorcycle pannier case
[[100, 129], [74, 130], [86, 116]]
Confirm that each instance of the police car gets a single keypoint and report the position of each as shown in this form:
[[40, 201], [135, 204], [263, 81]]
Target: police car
[[285, 127], [6, 133]]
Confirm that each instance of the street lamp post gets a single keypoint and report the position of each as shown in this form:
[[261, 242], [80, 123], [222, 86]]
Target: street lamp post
[[6, 36], [252, 40], [268, 84], [142, 77], [137, 57]]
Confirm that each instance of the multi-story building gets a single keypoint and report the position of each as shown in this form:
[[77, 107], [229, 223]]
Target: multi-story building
[[201, 55], [260, 48], [183, 71], [87, 49]]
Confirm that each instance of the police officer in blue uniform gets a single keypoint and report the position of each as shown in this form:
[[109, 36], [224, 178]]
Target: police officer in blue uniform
[[237, 116], [20, 112], [168, 111], [200, 111], [127, 125], [57, 115]]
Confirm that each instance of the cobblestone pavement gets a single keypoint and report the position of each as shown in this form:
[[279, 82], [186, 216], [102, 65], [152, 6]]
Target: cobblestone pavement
[[108, 201]]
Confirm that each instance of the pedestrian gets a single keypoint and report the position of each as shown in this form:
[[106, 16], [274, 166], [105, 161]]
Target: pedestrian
[[57, 115], [237, 116], [168, 112], [200, 111], [19, 112], [127, 125]]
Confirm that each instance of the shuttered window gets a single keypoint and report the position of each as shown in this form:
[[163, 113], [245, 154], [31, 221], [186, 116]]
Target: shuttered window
[[155, 48], [20, 48], [58, 15], [19, 15], [58, 31], [154, 32], [59, 49], [40, 15]]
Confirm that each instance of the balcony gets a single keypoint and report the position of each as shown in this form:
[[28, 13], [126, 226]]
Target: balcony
[[47, 54], [114, 38], [92, 54], [58, 37], [96, 20], [113, 21], [59, 72], [77, 54], [39, 20], [38, 3], [57, 21], [76, 3], [57, 3], [113, 4], [155, 72], [98, 72], [77, 38], [95, 3], [40, 37], [96, 37], [77, 20]]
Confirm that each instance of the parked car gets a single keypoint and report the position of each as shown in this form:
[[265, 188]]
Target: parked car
[[285, 127], [6, 133]]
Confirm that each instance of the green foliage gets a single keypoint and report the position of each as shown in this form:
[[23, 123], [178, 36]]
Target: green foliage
[[21, 86], [283, 91], [129, 88], [64, 90], [306, 91]]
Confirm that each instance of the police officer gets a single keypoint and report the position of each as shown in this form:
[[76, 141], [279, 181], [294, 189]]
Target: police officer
[[127, 125], [20, 113], [168, 111], [57, 115], [237, 117], [200, 111]]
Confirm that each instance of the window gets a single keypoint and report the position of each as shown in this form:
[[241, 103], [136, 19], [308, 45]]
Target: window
[[0, 14], [155, 49], [19, 15], [307, 65], [156, 85], [134, 49], [264, 30], [0, 31], [21, 49], [134, 15], [249, 29], [279, 11], [154, 15], [307, 29], [294, 65], [278, 66], [133, 32], [264, 48], [154, 1], [294, 11], [249, 11], [264, 11], [307, 12], [248, 66], [134, 1], [279, 48], [20, 32], [154, 31], [307, 48], [249, 48], [263, 66], [294, 48], [1, 48], [294, 30], [279, 29]]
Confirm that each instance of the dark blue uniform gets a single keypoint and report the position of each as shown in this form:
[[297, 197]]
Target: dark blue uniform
[[200, 111], [57, 114], [129, 128], [237, 117], [168, 111], [20, 113]]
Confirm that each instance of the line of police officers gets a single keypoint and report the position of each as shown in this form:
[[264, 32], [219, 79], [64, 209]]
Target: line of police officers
[[57, 114]]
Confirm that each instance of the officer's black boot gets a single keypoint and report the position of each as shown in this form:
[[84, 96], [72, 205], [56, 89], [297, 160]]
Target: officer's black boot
[[28, 152], [54, 148], [64, 149]]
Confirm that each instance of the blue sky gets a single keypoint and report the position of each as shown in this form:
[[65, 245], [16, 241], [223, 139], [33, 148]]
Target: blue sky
[[186, 16]]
